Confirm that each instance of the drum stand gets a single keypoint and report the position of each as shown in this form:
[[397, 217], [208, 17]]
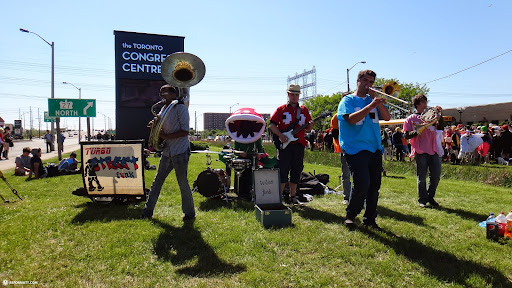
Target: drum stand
[[208, 163]]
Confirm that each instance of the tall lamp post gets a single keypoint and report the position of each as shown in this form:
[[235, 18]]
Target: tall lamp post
[[460, 110], [232, 107], [57, 120], [79, 118], [348, 70], [105, 119]]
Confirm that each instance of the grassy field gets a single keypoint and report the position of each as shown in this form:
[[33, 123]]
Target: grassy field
[[61, 240]]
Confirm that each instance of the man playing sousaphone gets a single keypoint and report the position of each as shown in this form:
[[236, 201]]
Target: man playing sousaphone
[[421, 129], [175, 154]]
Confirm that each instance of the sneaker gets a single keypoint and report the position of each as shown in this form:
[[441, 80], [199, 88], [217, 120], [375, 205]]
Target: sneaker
[[189, 218], [349, 221], [422, 205], [433, 202], [372, 225], [295, 201], [345, 202]]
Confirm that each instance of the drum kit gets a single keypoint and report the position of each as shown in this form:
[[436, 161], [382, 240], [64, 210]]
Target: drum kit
[[213, 183]]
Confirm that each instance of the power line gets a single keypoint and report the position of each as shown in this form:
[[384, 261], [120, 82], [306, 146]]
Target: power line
[[468, 68]]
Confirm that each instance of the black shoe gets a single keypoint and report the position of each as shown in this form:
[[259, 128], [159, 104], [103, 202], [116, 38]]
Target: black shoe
[[245, 197], [295, 201], [372, 225], [189, 218], [433, 202], [144, 216]]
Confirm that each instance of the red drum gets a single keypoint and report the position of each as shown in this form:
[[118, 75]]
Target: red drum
[[212, 182]]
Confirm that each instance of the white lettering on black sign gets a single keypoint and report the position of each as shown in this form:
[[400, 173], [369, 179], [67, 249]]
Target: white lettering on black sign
[[137, 61]]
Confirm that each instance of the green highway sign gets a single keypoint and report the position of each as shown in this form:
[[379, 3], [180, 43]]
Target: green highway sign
[[47, 118], [71, 107]]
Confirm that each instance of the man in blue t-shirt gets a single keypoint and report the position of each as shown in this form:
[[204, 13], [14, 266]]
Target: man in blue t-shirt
[[360, 141]]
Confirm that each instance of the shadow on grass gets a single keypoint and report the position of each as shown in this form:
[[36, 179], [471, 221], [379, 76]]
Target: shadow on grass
[[388, 213], [463, 213], [181, 244], [394, 177], [318, 215], [105, 212], [444, 266], [218, 203]]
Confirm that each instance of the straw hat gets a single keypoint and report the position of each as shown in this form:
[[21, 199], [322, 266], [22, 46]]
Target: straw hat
[[294, 89]]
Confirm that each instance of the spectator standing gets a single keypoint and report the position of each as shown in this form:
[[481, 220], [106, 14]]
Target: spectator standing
[[48, 140], [506, 142], [397, 142]]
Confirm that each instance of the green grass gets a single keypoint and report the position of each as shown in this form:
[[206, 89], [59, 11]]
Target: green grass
[[61, 240]]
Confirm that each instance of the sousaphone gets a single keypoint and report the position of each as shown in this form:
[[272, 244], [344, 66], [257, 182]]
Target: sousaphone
[[182, 70]]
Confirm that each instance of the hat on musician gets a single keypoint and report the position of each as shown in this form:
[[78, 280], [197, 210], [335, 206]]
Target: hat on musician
[[294, 89]]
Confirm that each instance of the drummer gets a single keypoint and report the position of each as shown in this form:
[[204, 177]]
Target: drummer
[[245, 126], [250, 150]]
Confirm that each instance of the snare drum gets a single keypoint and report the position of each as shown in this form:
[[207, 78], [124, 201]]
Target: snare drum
[[212, 182], [240, 164]]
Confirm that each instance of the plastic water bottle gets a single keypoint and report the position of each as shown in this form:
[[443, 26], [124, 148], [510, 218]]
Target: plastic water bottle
[[491, 227], [501, 221], [508, 228]]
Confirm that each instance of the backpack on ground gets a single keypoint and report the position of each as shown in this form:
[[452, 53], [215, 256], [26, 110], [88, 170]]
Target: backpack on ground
[[52, 169]]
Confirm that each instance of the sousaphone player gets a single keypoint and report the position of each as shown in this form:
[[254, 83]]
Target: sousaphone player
[[180, 70]]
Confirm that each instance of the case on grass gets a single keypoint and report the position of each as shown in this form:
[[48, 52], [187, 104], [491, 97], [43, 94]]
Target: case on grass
[[269, 208]]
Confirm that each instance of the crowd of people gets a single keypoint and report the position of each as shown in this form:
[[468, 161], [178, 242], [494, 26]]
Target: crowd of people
[[459, 144]]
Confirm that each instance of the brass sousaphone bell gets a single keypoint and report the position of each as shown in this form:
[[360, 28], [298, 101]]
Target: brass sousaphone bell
[[182, 70]]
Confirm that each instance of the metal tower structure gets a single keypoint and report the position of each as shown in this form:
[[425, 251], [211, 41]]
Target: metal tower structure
[[308, 86]]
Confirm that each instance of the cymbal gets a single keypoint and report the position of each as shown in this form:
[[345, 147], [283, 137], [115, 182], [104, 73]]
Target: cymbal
[[232, 151], [205, 151]]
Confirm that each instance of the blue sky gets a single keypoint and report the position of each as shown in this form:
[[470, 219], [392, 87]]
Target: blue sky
[[250, 48]]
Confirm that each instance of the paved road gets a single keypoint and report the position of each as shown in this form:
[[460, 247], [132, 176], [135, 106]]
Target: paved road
[[70, 144]]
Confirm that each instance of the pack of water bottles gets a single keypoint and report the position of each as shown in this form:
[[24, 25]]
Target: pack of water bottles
[[500, 226]]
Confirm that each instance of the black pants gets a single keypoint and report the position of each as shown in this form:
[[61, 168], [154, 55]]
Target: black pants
[[291, 161]]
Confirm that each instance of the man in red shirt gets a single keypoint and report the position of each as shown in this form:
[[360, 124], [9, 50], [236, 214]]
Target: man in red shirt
[[288, 117]]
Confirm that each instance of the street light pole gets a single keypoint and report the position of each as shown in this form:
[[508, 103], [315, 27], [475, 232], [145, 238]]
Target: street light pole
[[79, 118], [232, 107], [348, 70], [460, 110], [57, 120]]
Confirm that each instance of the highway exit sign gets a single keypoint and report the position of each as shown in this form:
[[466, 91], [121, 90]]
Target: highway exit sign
[[71, 107], [48, 118]]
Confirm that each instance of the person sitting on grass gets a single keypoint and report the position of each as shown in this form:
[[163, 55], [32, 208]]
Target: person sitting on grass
[[68, 165], [23, 163], [36, 165]]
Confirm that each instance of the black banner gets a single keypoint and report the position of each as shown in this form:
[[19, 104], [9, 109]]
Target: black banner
[[138, 79]]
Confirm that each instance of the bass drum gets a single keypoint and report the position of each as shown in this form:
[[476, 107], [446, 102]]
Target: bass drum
[[212, 182]]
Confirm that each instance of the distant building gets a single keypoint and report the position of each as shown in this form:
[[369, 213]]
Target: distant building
[[218, 120], [215, 121], [490, 113]]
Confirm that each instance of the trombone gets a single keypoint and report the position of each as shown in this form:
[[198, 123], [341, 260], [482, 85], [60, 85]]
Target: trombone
[[389, 90]]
